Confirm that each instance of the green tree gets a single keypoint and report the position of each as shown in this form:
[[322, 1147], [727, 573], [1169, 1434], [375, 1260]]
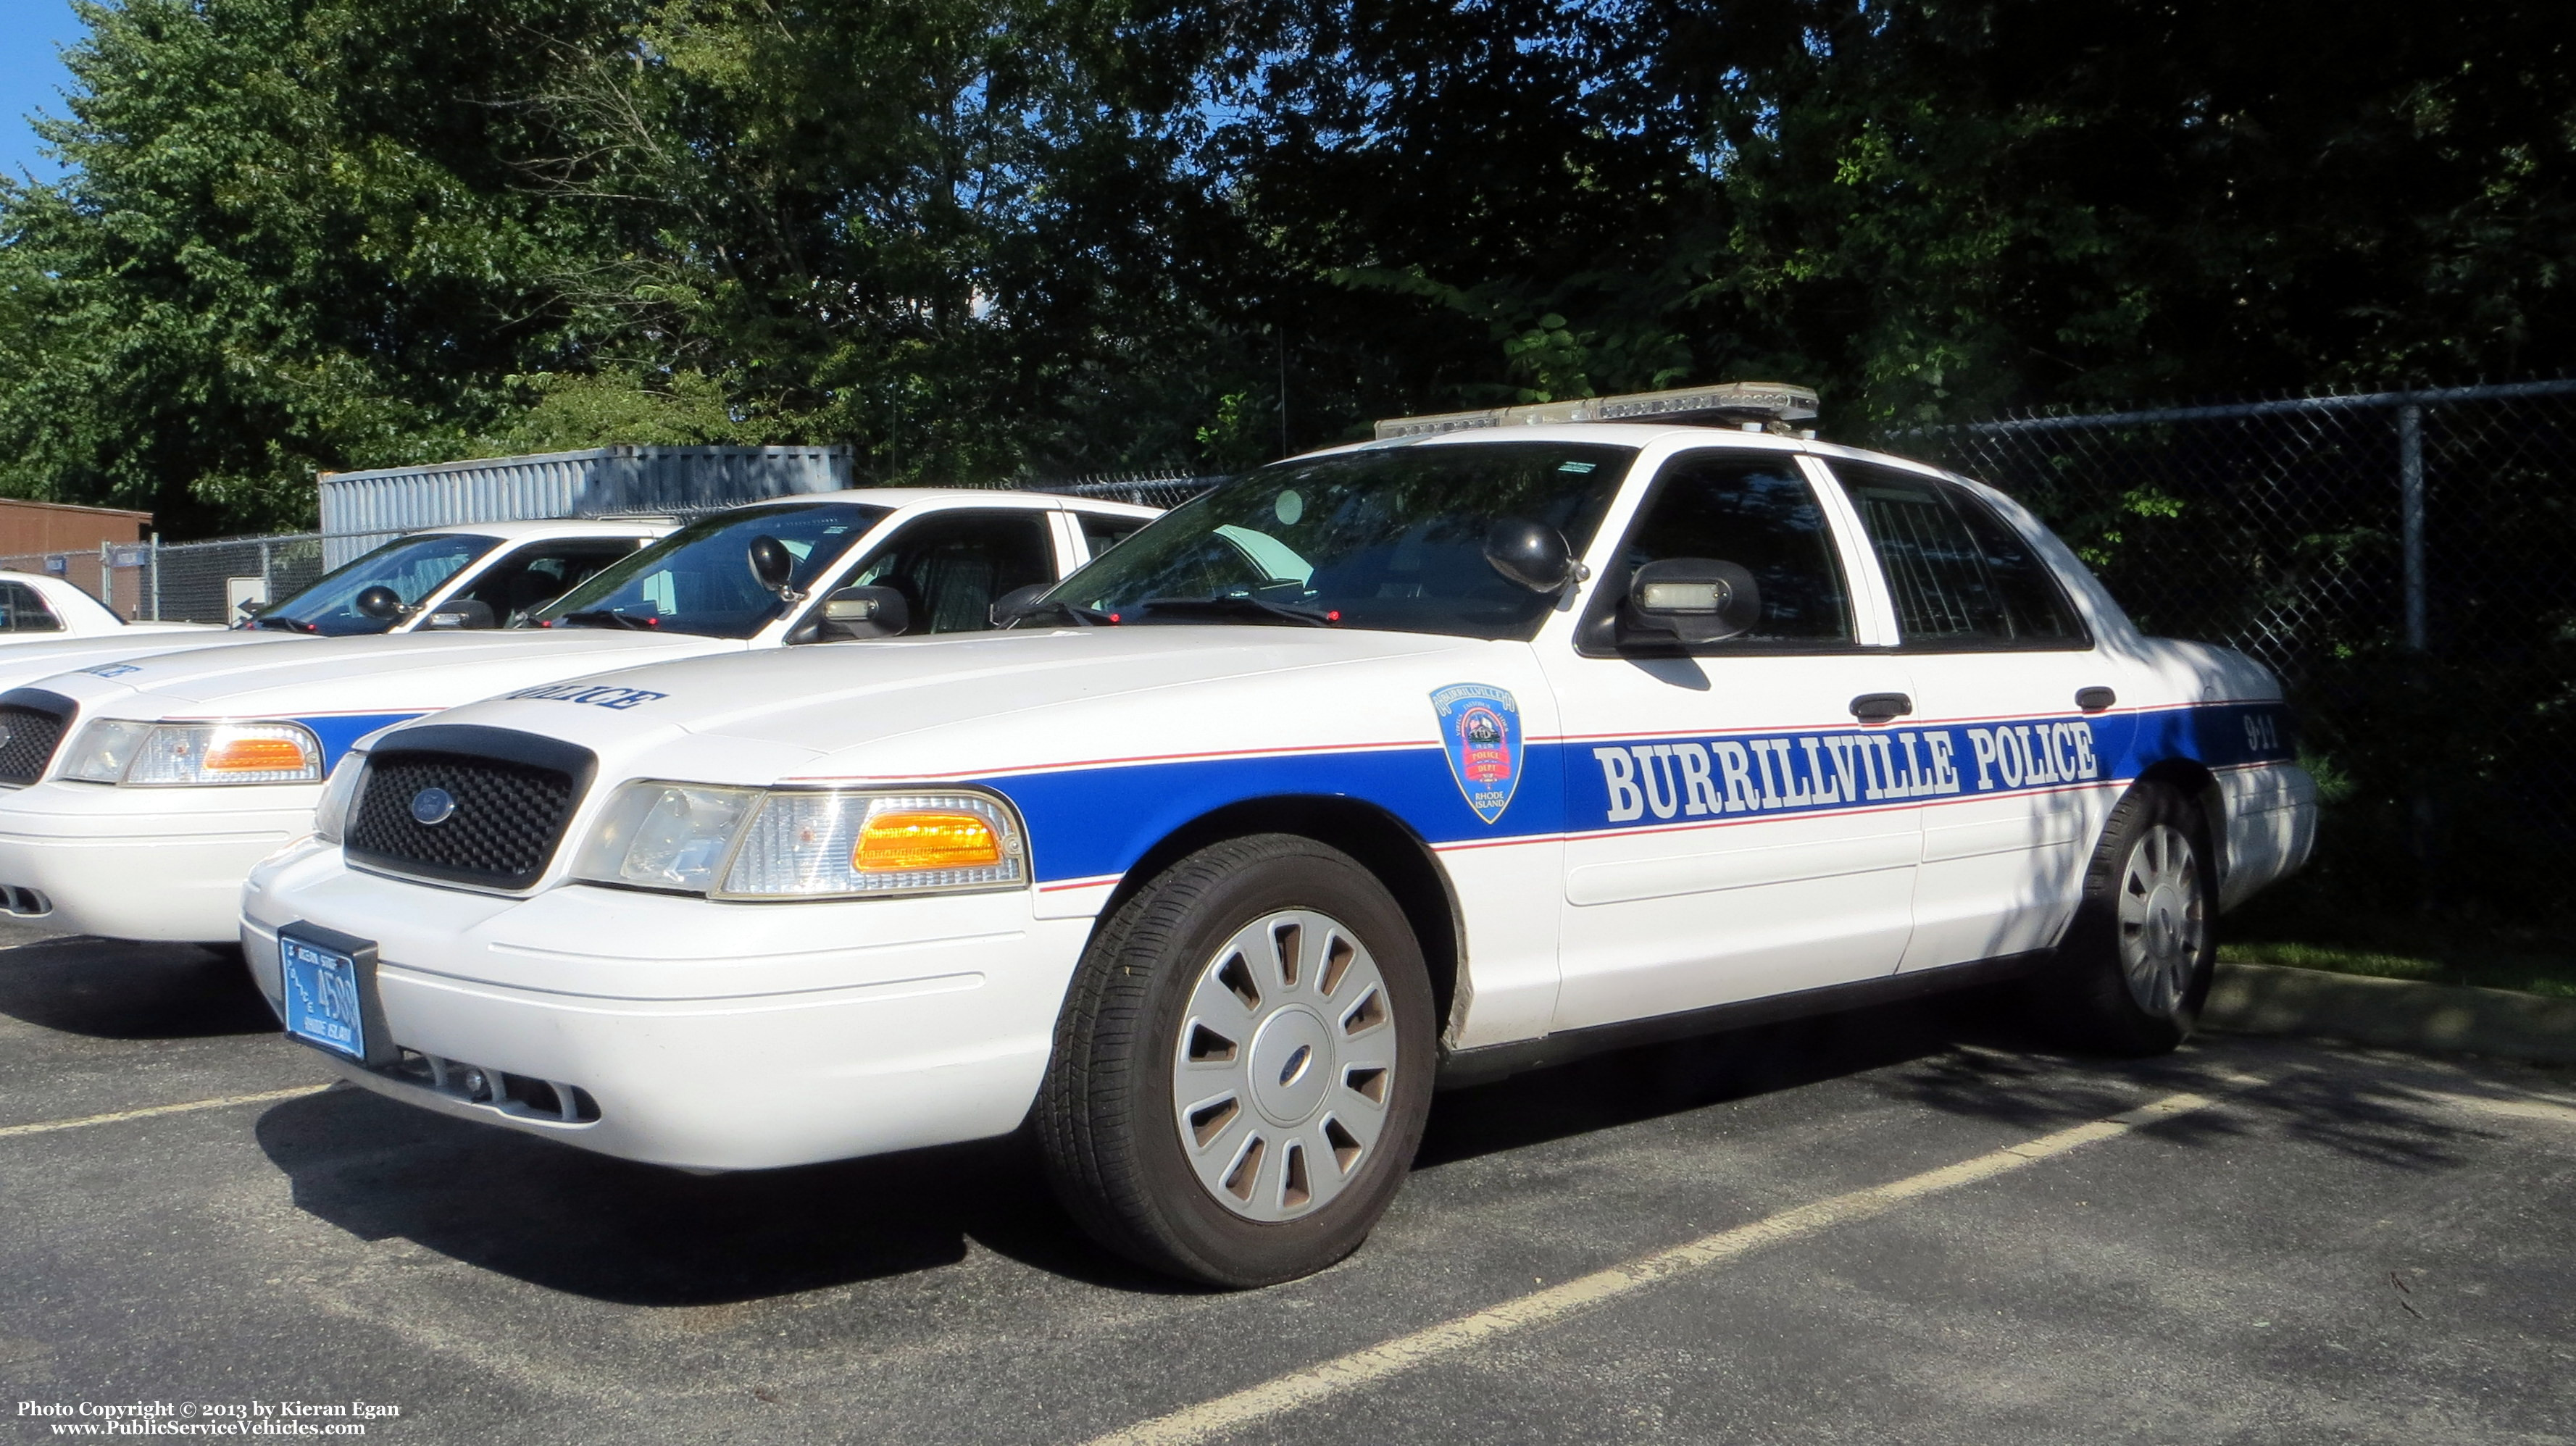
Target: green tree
[[290, 241]]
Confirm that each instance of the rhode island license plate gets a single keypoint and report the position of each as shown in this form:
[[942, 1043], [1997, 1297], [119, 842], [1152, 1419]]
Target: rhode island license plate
[[322, 997]]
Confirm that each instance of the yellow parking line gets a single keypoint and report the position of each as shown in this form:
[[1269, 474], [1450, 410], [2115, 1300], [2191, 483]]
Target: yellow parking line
[[2522, 1109], [1315, 1383], [47, 1127]]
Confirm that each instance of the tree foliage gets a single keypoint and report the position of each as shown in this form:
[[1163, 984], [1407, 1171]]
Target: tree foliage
[[983, 238]]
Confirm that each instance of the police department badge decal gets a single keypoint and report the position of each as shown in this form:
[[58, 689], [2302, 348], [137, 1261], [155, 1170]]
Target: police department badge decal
[[1480, 730]]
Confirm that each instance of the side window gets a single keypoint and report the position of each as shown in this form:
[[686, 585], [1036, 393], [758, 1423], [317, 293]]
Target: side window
[[541, 572], [1756, 512], [950, 566], [1961, 577], [22, 611], [1103, 533]]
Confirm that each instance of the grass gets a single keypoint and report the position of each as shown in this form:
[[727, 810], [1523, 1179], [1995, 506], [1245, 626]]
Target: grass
[[2434, 952]]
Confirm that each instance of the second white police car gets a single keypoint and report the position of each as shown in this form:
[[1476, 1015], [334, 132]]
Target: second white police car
[[179, 772], [1445, 754]]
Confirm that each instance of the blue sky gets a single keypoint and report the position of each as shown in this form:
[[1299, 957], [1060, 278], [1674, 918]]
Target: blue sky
[[31, 77]]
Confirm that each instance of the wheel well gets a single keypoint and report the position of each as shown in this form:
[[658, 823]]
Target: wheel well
[[2194, 781], [1382, 843]]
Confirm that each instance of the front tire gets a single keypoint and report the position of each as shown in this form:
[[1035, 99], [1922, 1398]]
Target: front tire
[[2137, 962], [1243, 1066]]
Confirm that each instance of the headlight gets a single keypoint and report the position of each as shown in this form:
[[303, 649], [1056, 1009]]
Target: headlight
[[117, 750], [665, 836], [743, 843], [339, 798]]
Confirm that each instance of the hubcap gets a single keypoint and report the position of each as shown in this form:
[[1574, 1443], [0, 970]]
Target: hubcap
[[2163, 920], [1284, 1065]]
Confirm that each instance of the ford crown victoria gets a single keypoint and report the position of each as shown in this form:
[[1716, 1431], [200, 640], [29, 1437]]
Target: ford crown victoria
[[39, 607], [430, 581], [1452, 753], [187, 769]]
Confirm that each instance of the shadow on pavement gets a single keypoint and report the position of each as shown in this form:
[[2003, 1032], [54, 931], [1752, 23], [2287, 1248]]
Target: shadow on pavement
[[1633, 1085], [611, 1230], [565, 1219], [111, 989]]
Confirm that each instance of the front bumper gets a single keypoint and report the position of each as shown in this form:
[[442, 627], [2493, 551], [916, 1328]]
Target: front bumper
[[708, 1036], [146, 863]]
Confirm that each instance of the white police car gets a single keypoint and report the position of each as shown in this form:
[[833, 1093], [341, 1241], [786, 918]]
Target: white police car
[[39, 607], [136, 794], [1453, 753], [433, 580]]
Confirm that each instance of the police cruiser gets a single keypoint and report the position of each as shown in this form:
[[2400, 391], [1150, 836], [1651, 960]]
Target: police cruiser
[[442, 578], [39, 607], [182, 771], [1500, 739]]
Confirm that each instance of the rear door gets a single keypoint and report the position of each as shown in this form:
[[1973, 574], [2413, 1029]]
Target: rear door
[[1732, 830], [1101, 531], [1998, 656]]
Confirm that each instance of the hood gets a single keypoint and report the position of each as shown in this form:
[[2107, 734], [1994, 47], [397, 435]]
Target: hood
[[25, 663], [151, 627], [382, 677], [988, 703]]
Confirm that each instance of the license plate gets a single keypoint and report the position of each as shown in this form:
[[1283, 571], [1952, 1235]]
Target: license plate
[[324, 997]]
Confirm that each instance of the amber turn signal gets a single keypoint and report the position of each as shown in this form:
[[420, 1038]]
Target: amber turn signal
[[913, 839], [255, 755]]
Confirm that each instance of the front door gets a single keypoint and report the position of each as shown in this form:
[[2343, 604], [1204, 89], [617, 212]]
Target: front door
[[1734, 830]]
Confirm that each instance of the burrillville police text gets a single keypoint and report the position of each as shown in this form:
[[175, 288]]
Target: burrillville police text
[[208, 1418]]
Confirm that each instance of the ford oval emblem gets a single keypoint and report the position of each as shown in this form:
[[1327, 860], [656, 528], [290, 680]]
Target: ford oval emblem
[[432, 806]]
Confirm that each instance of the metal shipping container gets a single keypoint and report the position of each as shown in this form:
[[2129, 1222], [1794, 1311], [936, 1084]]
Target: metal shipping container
[[360, 508]]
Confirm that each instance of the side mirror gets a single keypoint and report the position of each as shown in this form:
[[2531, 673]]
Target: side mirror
[[1531, 554], [863, 612], [462, 612], [772, 563], [1694, 600], [1018, 603], [379, 602]]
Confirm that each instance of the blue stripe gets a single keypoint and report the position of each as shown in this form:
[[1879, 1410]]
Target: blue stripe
[[339, 731], [1094, 822]]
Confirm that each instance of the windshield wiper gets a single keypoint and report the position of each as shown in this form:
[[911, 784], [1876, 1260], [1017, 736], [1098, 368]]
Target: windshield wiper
[[1074, 613], [605, 618], [1235, 606]]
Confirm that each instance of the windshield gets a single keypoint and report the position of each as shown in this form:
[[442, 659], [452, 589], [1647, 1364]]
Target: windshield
[[699, 579], [1392, 540], [414, 567]]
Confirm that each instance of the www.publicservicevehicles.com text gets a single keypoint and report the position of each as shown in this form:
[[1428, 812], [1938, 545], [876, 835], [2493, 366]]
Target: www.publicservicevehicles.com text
[[207, 1418]]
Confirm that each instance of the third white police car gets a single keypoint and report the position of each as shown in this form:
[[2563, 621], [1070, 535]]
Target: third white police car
[[435, 580], [1454, 752], [39, 607], [179, 772]]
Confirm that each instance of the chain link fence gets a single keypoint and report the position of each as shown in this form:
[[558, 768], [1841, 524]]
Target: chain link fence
[[206, 582], [2401, 559]]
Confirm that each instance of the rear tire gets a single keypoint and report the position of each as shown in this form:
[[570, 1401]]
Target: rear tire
[[2136, 964], [1243, 1065]]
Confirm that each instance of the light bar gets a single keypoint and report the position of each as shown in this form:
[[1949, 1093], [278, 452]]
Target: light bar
[[1767, 406]]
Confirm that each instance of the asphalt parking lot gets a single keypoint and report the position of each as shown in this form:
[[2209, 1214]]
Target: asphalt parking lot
[[1910, 1225]]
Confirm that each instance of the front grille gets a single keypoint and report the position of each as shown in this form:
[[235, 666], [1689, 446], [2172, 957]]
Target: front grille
[[510, 803], [29, 733]]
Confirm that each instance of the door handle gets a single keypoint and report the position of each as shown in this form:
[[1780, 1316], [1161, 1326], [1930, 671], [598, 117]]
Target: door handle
[[1881, 707], [2094, 700]]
